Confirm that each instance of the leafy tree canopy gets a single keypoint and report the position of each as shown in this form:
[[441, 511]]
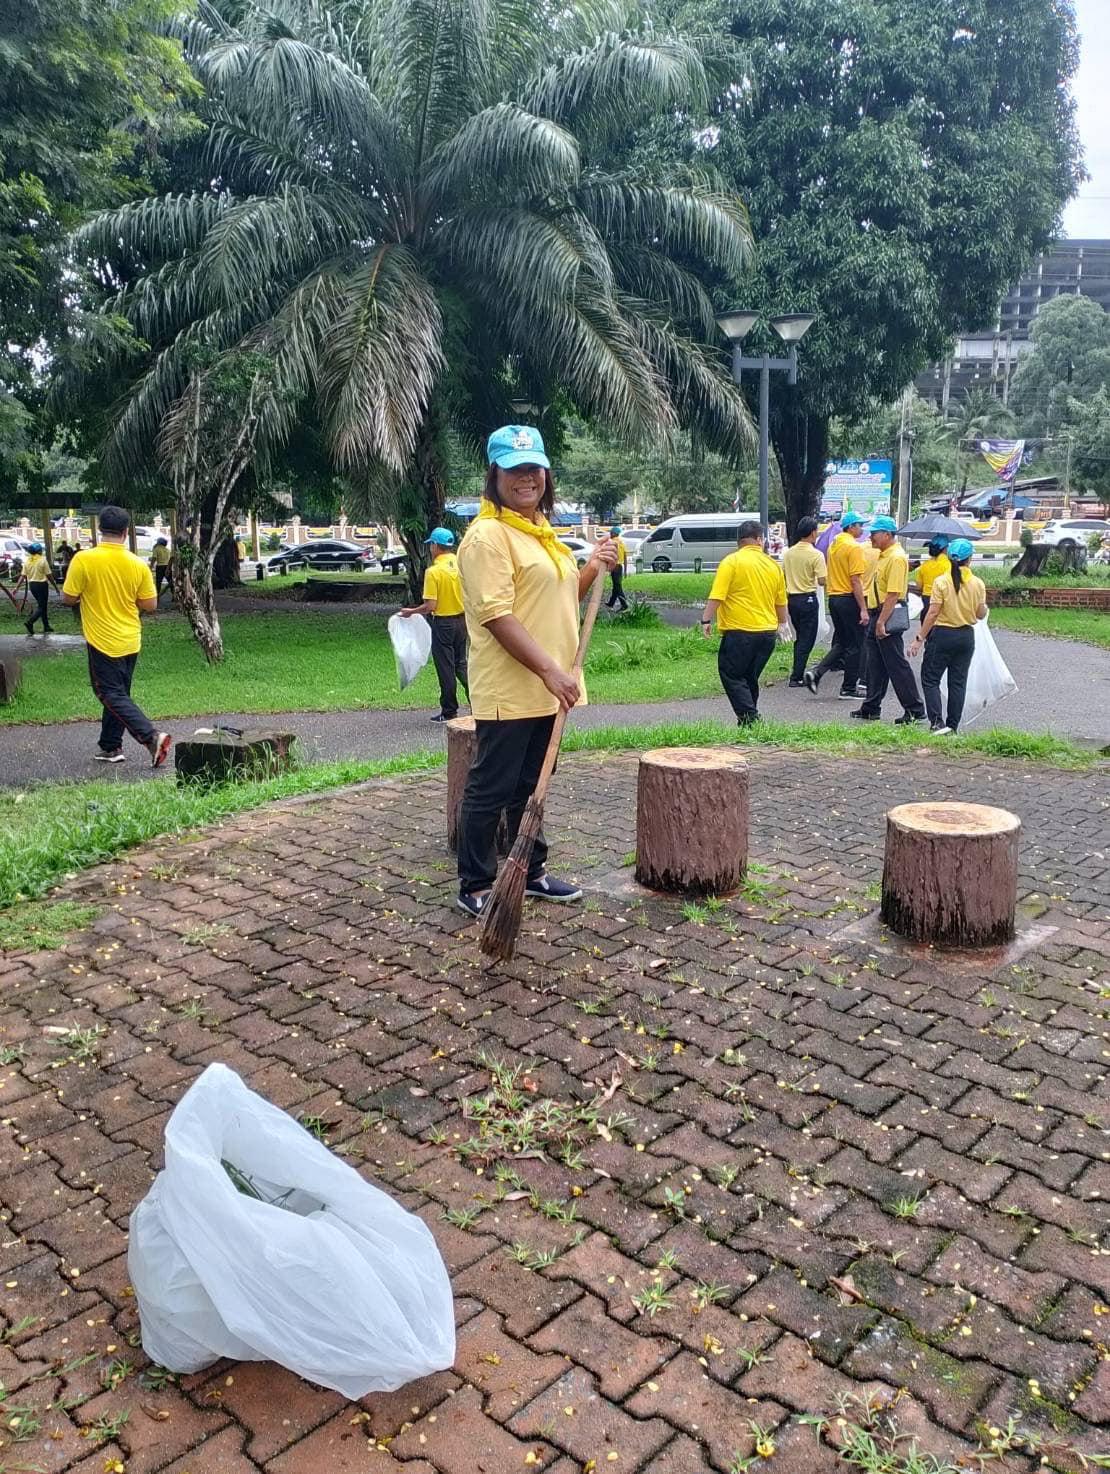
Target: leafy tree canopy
[[1069, 364]]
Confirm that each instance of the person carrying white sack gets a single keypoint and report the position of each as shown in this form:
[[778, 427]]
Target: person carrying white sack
[[958, 601]]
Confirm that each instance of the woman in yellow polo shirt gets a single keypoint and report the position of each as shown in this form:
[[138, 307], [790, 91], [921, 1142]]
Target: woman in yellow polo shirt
[[931, 568], [521, 590], [37, 572], [958, 602]]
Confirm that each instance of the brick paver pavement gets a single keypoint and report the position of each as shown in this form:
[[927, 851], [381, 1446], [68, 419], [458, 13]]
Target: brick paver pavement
[[833, 1178]]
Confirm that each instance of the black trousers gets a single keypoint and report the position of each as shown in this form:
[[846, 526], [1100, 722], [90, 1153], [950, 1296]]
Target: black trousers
[[504, 773], [40, 592], [805, 611], [449, 657], [617, 596], [161, 574], [947, 650], [110, 676], [740, 662], [847, 646], [887, 666]]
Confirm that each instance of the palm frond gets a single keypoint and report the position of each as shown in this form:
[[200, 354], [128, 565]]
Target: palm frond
[[151, 230], [518, 256], [705, 396], [618, 79], [694, 217], [504, 148], [645, 272]]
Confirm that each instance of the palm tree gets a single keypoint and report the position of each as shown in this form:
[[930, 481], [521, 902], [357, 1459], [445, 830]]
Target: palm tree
[[405, 205]]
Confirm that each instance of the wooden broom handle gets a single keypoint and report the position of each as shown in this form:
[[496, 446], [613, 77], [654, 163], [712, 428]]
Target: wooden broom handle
[[540, 791]]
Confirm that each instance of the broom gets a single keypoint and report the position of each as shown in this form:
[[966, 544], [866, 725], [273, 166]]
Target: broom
[[501, 919]]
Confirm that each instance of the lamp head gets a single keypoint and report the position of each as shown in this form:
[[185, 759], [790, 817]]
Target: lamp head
[[793, 326], [737, 325]]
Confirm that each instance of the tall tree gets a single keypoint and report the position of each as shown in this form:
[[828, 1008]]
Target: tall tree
[[902, 163], [1069, 364], [405, 205]]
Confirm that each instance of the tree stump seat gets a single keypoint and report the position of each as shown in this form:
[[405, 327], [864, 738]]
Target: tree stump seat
[[692, 820], [950, 873], [11, 674], [220, 756], [462, 744]]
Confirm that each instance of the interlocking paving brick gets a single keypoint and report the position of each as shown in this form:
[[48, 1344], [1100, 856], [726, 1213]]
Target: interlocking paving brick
[[573, 1415]]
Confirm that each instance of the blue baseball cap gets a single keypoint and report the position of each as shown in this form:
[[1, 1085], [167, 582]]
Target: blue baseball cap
[[614, 532], [884, 524], [443, 537], [34, 547], [960, 550], [517, 445], [851, 519]]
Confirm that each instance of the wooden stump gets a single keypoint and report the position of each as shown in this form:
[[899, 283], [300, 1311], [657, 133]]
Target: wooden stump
[[11, 673], [222, 756], [950, 873], [462, 744], [692, 820]]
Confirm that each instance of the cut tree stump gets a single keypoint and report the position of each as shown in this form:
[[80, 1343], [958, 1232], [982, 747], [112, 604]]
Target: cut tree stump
[[692, 820], [220, 756], [1032, 562], [11, 673], [462, 744], [950, 873]]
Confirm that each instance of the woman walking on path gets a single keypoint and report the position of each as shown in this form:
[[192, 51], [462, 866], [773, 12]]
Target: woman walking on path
[[442, 601], [38, 576], [521, 591], [804, 568], [930, 569], [959, 601], [616, 599]]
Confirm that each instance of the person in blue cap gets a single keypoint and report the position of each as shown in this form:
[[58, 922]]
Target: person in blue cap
[[888, 620], [443, 602], [616, 599], [931, 568], [521, 589], [846, 589], [36, 572], [958, 602]]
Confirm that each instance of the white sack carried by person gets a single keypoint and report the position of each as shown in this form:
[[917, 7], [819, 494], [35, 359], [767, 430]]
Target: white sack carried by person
[[988, 678], [412, 645], [257, 1243], [824, 624]]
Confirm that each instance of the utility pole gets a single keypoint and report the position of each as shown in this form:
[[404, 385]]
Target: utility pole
[[905, 457], [1067, 476]]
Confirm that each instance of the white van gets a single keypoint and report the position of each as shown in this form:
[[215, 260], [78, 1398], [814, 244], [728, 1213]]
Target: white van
[[690, 544]]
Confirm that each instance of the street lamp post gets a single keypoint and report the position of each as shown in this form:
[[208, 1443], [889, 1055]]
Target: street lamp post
[[791, 328]]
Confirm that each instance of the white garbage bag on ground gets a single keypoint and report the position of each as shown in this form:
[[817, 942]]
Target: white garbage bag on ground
[[256, 1242], [988, 679], [412, 645]]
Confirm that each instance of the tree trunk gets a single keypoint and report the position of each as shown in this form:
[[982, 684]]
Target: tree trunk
[[802, 450], [225, 565], [425, 498], [1032, 562], [462, 744], [950, 873], [195, 597], [692, 819]]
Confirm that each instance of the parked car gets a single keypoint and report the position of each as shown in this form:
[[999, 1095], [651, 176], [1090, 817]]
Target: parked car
[[685, 544], [394, 560], [578, 546], [1071, 532], [13, 555], [634, 539], [327, 555]]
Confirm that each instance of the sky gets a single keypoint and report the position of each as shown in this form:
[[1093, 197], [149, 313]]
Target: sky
[[1088, 216]]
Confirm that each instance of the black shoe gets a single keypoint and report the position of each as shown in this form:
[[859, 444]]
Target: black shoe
[[29, 626], [547, 888], [907, 719], [861, 688], [852, 695], [794, 681], [48, 629], [439, 717], [749, 721], [811, 680], [940, 730], [472, 905], [864, 716]]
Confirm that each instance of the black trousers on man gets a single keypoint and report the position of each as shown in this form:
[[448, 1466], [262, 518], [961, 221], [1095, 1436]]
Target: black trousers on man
[[617, 596], [503, 776], [161, 574], [110, 676], [449, 656], [887, 666], [847, 646], [40, 592], [740, 662], [951, 651], [805, 613]]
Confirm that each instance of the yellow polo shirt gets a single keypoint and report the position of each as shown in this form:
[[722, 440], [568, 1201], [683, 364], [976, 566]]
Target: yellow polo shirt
[[892, 575], [622, 554], [505, 571], [929, 569], [803, 566], [36, 569], [441, 583], [109, 581], [160, 555], [847, 560], [749, 585], [957, 610]]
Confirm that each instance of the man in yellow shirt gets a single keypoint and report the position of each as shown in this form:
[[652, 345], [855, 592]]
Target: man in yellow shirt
[[443, 601], [846, 588], [930, 569], [888, 621], [616, 599], [160, 564], [748, 603], [804, 568], [113, 587]]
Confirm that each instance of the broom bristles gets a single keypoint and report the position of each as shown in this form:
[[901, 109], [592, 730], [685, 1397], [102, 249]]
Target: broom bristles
[[502, 916]]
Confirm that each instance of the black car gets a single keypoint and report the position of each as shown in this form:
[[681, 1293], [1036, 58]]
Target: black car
[[394, 560], [327, 555]]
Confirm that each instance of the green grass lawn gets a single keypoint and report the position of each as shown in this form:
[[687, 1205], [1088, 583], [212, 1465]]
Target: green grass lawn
[[285, 585], [305, 660], [1088, 626], [675, 588]]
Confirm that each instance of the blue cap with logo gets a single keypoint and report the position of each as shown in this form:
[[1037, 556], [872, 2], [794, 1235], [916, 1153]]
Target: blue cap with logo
[[614, 532], [34, 547], [517, 445], [960, 550], [443, 537], [851, 519], [884, 524]]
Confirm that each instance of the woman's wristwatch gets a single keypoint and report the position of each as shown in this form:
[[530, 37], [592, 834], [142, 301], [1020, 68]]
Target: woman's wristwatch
[[707, 621]]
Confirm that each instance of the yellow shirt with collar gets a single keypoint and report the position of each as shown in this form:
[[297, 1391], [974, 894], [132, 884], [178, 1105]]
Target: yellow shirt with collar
[[892, 575], [958, 609], [109, 580], [749, 586], [441, 583], [847, 560], [930, 569], [622, 554], [803, 566], [36, 569], [160, 555], [505, 571]]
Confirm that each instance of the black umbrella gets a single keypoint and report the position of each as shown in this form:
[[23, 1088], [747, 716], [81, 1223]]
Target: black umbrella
[[935, 524]]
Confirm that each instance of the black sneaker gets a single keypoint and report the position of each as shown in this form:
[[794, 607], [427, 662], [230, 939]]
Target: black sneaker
[[864, 716], [439, 717], [853, 695], [941, 731], [811, 680], [793, 681], [472, 905], [547, 888], [28, 626], [907, 719], [115, 756], [861, 689]]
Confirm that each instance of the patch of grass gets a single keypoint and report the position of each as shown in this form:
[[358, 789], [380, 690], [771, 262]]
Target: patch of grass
[[999, 576], [42, 926], [512, 1120], [671, 588], [1088, 626]]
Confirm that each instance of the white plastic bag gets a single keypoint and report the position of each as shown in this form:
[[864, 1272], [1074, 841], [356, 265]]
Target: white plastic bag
[[989, 678], [824, 625], [341, 1284], [412, 644], [915, 604]]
